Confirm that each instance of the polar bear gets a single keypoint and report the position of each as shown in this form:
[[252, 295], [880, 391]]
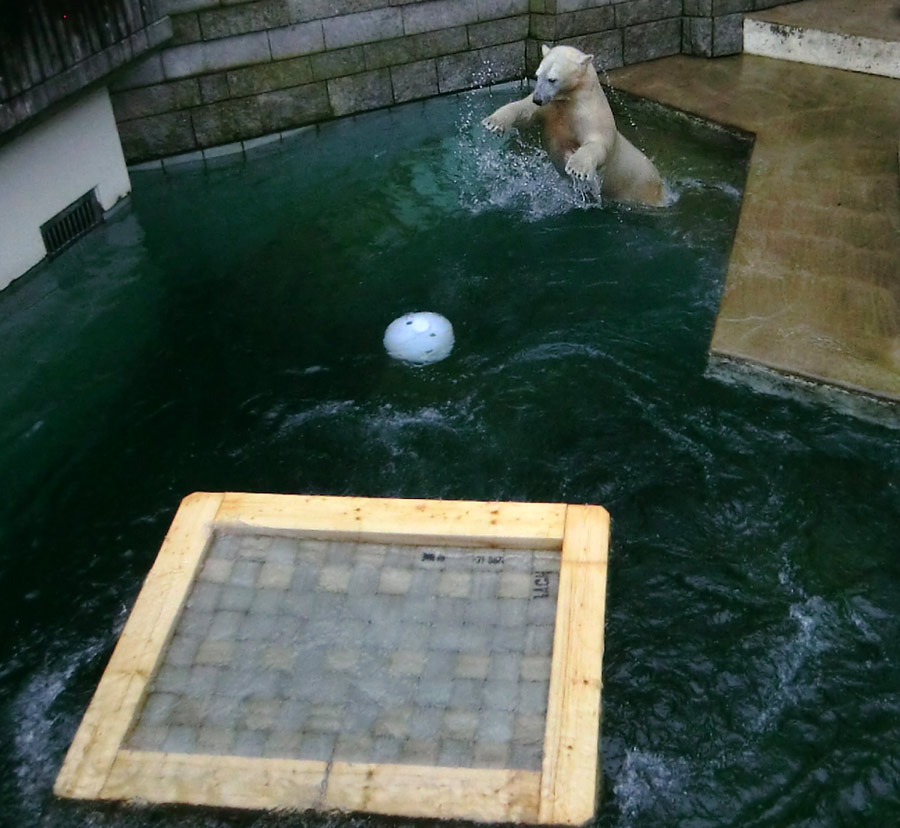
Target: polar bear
[[578, 129]]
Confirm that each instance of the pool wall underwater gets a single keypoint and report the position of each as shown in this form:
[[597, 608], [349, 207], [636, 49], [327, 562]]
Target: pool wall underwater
[[223, 333]]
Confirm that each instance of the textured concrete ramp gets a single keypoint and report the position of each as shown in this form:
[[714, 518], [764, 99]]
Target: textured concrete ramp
[[813, 284]]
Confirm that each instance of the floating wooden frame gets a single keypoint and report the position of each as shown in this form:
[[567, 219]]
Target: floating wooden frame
[[101, 765]]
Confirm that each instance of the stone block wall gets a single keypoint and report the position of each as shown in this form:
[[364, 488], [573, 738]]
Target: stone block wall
[[616, 32], [238, 69], [234, 71], [713, 28]]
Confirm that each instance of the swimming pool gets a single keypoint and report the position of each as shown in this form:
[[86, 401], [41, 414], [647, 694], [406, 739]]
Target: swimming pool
[[223, 332]]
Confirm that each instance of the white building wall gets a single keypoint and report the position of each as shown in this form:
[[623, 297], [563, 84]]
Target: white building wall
[[50, 166]]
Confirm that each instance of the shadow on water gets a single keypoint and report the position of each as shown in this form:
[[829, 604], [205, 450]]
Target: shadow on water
[[224, 332]]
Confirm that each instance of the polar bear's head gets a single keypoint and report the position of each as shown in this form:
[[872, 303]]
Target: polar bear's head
[[561, 70]]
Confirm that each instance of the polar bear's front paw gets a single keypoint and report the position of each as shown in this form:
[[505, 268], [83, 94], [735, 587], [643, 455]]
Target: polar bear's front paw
[[495, 125], [581, 167]]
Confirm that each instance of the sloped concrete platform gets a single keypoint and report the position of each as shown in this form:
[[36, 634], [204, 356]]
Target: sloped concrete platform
[[813, 283], [859, 35]]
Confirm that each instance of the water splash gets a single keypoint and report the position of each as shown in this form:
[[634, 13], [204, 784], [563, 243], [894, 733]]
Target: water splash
[[511, 172], [790, 665], [323, 412], [517, 177], [649, 782], [689, 184], [389, 426], [38, 736], [557, 350], [395, 428]]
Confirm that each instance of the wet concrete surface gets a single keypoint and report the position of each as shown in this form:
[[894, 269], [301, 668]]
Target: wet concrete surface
[[813, 282], [879, 19]]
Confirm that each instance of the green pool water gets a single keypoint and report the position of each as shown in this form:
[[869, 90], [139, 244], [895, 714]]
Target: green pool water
[[223, 332]]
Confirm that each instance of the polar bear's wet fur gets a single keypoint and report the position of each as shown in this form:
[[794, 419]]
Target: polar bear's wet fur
[[578, 129]]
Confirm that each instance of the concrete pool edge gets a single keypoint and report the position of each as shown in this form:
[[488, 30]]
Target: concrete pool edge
[[812, 287], [763, 379]]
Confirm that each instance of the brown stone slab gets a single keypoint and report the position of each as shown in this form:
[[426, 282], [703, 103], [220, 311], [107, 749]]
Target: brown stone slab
[[813, 284]]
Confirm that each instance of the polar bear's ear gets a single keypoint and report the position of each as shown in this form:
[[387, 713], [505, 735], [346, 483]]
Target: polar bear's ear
[[545, 50], [586, 59]]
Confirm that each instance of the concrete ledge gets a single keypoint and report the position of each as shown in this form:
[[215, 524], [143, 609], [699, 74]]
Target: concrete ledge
[[813, 283], [853, 402], [839, 51]]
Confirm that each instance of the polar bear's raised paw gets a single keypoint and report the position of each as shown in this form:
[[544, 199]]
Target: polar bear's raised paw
[[494, 125], [581, 165], [578, 172]]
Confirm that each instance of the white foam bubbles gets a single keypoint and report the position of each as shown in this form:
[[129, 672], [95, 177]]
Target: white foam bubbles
[[647, 780], [510, 172]]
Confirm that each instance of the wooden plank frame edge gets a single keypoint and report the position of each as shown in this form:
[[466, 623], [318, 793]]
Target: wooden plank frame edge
[[134, 660], [98, 767], [477, 794], [216, 781], [484, 795], [569, 775], [398, 520]]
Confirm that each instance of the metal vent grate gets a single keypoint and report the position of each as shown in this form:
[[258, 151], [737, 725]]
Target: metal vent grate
[[72, 223]]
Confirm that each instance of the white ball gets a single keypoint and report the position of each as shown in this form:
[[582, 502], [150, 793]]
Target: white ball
[[419, 337]]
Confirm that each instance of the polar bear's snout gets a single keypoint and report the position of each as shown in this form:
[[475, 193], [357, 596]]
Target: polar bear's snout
[[542, 95], [543, 90]]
